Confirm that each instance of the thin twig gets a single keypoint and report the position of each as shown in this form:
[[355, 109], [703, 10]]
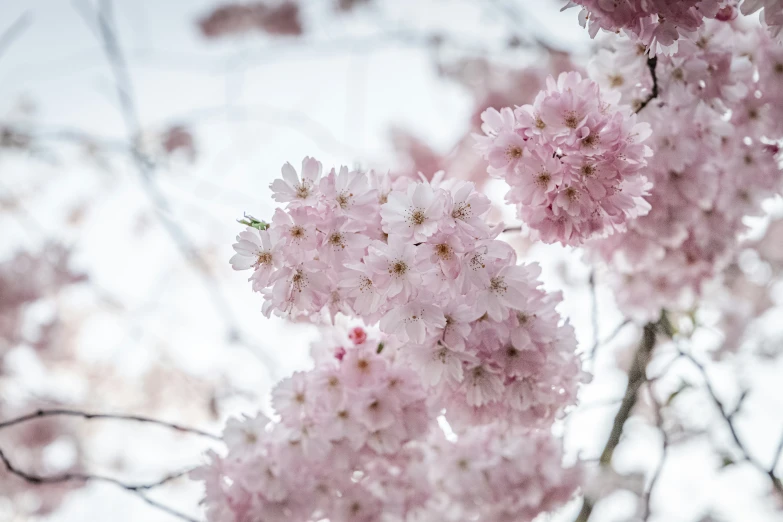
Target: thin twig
[[518, 21], [729, 420], [596, 404], [136, 489], [609, 338], [776, 458], [39, 414], [664, 454], [652, 63], [593, 312]]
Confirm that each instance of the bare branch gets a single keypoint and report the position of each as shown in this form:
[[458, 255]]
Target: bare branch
[[38, 414], [136, 489], [664, 454], [517, 18], [776, 458], [729, 420], [593, 312], [637, 375]]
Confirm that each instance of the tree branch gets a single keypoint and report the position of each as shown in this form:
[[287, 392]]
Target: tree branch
[[776, 458], [664, 453], [652, 63], [593, 312], [729, 420], [636, 377], [136, 489], [38, 414]]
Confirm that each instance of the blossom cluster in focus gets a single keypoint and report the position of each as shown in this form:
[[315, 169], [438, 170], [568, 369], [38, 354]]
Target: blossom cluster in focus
[[419, 259], [358, 439], [574, 160]]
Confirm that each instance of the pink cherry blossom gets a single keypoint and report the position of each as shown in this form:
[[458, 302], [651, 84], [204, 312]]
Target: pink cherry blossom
[[293, 190], [414, 213], [372, 447], [578, 167], [710, 167], [259, 250]]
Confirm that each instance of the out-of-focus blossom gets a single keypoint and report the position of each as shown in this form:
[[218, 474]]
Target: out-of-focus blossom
[[348, 5], [178, 138], [24, 279], [277, 18]]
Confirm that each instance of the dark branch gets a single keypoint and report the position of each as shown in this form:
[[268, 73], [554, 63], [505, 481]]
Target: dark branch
[[664, 454], [652, 63], [136, 489], [729, 420], [90, 416], [521, 23], [776, 458], [637, 375]]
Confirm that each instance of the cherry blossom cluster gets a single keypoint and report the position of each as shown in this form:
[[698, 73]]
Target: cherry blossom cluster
[[573, 159], [358, 440], [716, 124], [419, 259], [660, 24], [657, 24], [489, 85]]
